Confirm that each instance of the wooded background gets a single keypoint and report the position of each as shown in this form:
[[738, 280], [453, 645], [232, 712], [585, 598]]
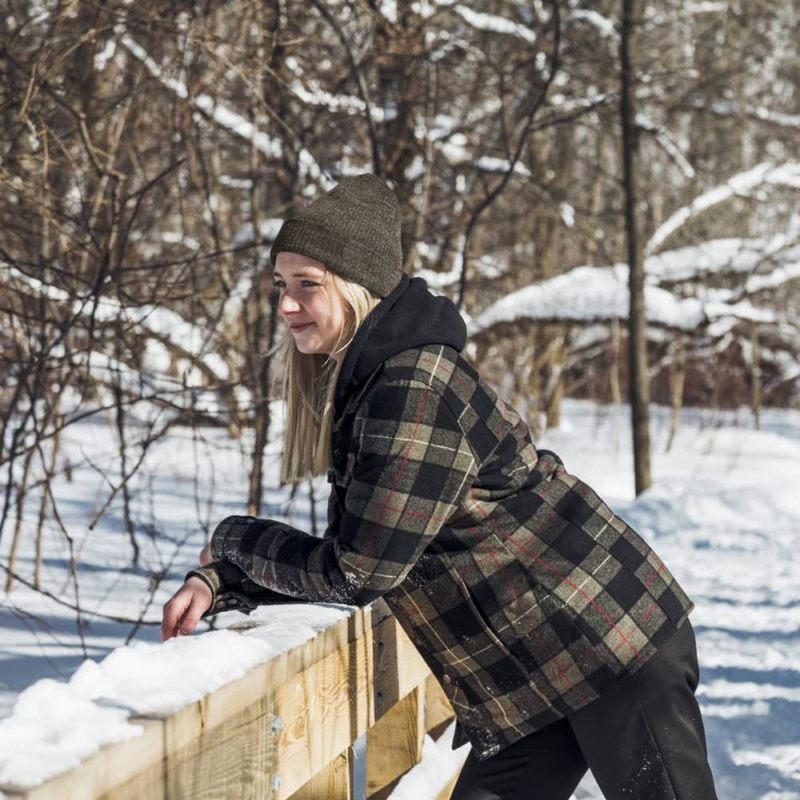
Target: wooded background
[[149, 151]]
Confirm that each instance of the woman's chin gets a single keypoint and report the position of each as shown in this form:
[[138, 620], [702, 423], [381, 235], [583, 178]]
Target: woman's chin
[[308, 348]]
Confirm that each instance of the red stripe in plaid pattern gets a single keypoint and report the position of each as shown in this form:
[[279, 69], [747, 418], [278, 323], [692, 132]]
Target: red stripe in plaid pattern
[[649, 612], [452, 374], [543, 643], [400, 471], [572, 661], [407, 454], [505, 577], [406, 513], [423, 620], [655, 574], [561, 577]]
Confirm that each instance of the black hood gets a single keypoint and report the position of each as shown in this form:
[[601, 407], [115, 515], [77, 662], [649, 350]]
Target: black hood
[[408, 317]]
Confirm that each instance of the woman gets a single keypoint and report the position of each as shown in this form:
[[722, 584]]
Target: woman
[[560, 638]]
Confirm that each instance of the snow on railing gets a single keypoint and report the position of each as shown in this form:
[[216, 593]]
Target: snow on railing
[[282, 728]]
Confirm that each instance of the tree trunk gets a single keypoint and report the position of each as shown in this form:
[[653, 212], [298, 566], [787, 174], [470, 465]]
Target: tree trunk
[[119, 418], [556, 393], [266, 309], [551, 340], [22, 491], [261, 423], [677, 380], [637, 340], [755, 378], [615, 384]]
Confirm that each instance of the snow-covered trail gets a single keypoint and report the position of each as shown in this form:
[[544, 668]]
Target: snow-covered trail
[[724, 513]]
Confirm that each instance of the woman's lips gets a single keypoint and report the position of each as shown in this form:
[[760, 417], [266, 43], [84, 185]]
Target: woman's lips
[[298, 328]]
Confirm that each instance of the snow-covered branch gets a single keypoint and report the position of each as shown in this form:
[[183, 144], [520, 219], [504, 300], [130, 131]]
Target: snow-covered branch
[[493, 23], [718, 257], [605, 27], [225, 117], [663, 137], [188, 341], [740, 185], [730, 108]]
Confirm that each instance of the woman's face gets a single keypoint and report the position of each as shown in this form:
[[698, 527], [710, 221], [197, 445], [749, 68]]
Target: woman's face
[[314, 311]]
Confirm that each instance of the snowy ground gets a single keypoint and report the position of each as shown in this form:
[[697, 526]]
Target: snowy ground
[[724, 514]]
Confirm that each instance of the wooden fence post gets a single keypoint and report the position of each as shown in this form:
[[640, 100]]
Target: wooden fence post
[[333, 782], [438, 711], [394, 744]]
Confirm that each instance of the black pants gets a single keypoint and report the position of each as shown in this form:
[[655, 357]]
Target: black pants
[[643, 739]]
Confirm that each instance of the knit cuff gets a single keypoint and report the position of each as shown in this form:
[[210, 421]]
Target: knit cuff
[[209, 577], [224, 580]]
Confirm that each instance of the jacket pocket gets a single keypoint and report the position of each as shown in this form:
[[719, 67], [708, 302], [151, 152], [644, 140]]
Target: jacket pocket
[[482, 618], [481, 654]]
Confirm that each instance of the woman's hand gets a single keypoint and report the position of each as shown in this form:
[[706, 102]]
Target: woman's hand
[[205, 556], [182, 613]]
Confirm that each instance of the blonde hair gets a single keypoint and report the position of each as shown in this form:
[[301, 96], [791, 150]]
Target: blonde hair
[[309, 383]]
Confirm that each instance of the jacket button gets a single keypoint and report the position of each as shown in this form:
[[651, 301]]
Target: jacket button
[[447, 679]]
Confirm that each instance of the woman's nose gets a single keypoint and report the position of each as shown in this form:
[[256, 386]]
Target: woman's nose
[[287, 304]]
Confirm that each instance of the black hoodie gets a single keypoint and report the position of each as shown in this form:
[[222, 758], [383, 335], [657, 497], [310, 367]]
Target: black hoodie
[[409, 317]]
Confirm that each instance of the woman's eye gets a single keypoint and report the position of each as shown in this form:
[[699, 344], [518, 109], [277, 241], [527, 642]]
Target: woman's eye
[[309, 284]]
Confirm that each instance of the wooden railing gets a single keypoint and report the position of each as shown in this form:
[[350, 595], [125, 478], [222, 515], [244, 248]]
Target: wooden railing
[[285, 730]]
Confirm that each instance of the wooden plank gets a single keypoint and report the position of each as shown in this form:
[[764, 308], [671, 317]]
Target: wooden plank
[[399, 668], [322, 711], [236, 759], [438, 711], [106, 768], [394, 743], [326, 708], [333, 782]]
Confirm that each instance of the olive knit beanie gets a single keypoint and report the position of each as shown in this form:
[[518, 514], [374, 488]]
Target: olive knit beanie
[[354, 230]]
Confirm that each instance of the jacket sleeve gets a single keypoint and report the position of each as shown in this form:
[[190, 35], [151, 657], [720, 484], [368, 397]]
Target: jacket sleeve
[[413, 466], [232, 590]]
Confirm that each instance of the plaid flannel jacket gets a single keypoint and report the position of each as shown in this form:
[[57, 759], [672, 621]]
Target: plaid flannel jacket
[[522, 590]]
